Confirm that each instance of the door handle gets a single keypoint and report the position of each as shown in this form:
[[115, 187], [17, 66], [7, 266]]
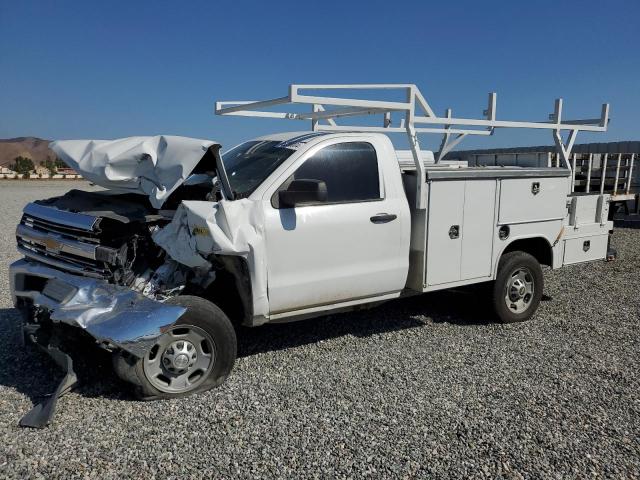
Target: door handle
[[383, 218]]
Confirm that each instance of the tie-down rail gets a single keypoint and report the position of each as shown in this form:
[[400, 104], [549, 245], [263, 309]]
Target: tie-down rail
[[418, 117]]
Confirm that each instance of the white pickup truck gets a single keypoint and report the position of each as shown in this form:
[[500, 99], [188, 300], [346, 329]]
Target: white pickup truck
[[185, 243]]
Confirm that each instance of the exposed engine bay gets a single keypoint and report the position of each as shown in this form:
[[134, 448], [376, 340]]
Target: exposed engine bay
[[114, 244]]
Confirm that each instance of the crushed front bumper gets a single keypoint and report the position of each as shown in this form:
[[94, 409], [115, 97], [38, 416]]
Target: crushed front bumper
[[117, 317]]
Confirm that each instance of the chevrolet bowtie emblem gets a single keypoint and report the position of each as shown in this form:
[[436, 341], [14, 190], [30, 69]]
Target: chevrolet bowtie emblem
[[52, 244]]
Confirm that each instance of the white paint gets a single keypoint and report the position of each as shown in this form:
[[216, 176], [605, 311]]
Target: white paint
[[153, 166], [575, 249], [220, 228]]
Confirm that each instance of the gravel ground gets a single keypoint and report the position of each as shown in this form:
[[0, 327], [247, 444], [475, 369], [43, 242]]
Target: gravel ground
[[421, 387]]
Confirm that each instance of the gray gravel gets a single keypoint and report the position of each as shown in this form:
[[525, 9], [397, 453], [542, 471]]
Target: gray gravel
[[423, 387]]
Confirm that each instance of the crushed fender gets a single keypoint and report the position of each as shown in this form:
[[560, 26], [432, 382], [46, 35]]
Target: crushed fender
[[200, 229]]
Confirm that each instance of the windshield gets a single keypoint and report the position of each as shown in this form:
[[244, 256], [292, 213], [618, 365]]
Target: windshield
[[250, 163]]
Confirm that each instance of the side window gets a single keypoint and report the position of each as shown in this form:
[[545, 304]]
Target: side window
[[350, 171]]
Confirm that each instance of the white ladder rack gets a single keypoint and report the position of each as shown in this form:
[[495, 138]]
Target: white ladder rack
[[324, 110]]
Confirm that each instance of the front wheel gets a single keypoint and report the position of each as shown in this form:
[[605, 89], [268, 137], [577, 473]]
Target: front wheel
[[194, 355], [518, 287]]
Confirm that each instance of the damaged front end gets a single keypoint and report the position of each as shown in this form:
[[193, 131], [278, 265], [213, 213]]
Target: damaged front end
[[117, 317], [113, 266]]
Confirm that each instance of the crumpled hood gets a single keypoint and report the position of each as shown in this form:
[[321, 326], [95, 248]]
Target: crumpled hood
[[154, 166]]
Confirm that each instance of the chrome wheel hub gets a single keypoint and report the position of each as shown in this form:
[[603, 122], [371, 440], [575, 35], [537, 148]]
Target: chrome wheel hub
[[179, 356], [517, 290], [520, 290], [180, 360]]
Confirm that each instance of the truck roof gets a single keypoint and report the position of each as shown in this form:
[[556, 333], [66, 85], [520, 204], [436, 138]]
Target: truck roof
[[307, 136], [296, 139], [284, 135]]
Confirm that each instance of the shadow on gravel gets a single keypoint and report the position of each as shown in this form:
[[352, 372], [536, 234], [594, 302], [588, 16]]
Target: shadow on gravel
[[465, 307], [32, 373]]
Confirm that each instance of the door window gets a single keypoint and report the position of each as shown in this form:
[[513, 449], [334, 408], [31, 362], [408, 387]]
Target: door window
[[350, 171]]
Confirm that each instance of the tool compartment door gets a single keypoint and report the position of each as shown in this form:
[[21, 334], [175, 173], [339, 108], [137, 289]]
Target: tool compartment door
[[532, 199], [587, 234], [444, 249], [585, 249], [460, 230], [477, 232]]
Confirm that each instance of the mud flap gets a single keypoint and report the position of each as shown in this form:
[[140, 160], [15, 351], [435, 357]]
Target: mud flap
[[42, 414], [612, 253]]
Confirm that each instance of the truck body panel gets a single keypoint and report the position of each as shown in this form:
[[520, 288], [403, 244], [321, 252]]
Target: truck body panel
[[477, 234], [585, 249], [444, 249]]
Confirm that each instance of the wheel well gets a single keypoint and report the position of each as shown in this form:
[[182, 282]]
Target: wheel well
[[231, 290], [537, 247]]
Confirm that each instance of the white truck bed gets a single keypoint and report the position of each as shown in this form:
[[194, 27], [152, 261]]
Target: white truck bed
[[467, 207], [405, 159]]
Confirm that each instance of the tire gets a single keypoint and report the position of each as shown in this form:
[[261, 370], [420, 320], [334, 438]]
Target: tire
[[518, 287], [195, 355]]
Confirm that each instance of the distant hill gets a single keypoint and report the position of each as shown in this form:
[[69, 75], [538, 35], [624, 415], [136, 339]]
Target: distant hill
[[34, 148]]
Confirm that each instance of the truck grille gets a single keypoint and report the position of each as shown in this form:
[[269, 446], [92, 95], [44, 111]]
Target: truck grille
[[64, 240]]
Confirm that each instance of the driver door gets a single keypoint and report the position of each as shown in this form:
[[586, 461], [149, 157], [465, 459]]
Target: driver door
[[347, 247]]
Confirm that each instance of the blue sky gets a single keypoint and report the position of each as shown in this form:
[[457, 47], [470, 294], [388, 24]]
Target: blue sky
[[78, 69]]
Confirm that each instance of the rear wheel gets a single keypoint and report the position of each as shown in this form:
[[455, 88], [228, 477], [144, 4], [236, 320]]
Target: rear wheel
[[518, 287], [194, 355]]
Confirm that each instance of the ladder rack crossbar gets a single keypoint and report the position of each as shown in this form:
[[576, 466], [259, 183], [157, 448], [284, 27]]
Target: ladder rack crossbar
[[511, 124], [347, 128]]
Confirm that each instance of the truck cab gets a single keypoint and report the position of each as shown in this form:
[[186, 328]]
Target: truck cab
[[349, 243]]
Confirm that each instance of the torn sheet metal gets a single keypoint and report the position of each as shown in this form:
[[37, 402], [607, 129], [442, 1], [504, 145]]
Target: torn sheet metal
[[154, 166], [42, 413], [200, 229], [111, 314]]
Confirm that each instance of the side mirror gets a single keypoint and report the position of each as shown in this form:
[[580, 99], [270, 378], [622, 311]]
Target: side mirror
[[303, 191]]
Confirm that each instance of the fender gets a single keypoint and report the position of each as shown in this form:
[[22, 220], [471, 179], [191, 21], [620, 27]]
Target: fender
[[536, 245]]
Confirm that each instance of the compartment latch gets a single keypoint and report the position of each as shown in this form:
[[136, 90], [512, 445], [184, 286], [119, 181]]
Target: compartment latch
[[535, 188]]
